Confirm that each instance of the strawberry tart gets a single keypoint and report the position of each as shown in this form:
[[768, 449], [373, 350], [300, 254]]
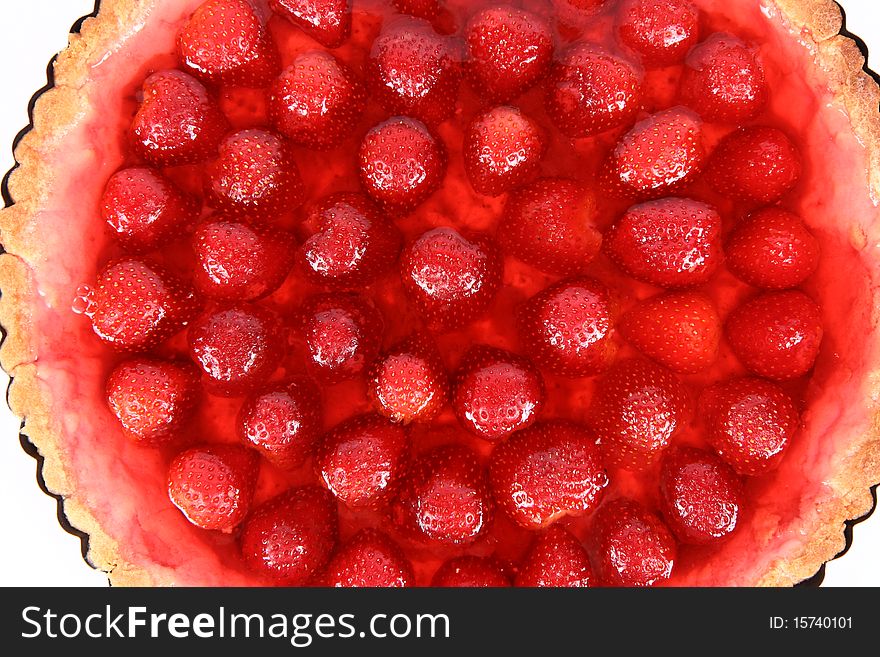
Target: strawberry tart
[[451, 292]]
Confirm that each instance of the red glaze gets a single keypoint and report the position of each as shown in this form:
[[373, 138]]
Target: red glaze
[[471, 572]]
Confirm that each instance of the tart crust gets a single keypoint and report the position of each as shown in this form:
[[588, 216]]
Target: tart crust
[[817, 23]]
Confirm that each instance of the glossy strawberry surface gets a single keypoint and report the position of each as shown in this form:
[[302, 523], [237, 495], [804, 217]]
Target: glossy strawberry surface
[[213, 485], [428, 292]]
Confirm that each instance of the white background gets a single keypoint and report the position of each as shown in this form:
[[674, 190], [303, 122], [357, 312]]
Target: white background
[[35, 551]]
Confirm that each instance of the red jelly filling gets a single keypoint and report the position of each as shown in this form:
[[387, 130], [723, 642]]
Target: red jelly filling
[[460, 286]]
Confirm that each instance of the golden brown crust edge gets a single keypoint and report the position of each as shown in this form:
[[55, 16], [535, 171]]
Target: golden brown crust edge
[[54, 110], [816, 21]]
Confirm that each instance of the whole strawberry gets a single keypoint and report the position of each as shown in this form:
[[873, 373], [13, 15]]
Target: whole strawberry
[[660, 154], [723, 80], [772, 249], [255, 175], [342, 333], [225, 43], [414, 71], [237, 348], [444, 498], [317, 101], [701, 496], [661, 31], [634, 547], [496, 392], [240, 262], [213, 485], [508, 51], [550, 224], [556, 559], [401, 163], [776, 335], [750, 423], [569, 327], [637, 408], [757, 164], [671, 242], [145, 210], [450, 277], [680, 330], [136, 304], [547, 472], [152, 398], [409, 383], [502, 150], [353, 242], [177, 121], [591, 90], [362, 460], [369, 559], [291, 537], [282, 421]]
